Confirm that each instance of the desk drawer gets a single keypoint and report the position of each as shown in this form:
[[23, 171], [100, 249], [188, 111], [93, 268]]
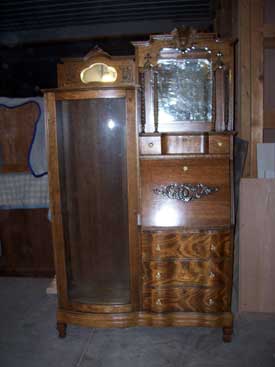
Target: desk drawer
[[187, 272], [168, 245], [150, 145], [187, 299], [167, 203], [219, 144], [184, 144]]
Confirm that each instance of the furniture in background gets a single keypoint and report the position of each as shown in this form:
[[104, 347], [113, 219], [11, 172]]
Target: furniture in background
[[25, 233], [144, 238]]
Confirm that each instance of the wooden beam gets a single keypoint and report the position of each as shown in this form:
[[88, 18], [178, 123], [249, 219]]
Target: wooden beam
[[257, 62], [244, 82], [269, 42], [269, 119]]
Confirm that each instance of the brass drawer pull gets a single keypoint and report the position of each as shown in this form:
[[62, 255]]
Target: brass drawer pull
[[220, 144], [150, 145], [157, 247], [185, 168], [213, 247], [211, 302], [158, 275], [158, 302], [212, 275]]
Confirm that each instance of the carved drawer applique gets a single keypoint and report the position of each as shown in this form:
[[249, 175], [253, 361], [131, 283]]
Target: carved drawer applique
[[185, 192]]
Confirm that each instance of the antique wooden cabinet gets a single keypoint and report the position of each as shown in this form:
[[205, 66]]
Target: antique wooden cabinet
[[141, 170]]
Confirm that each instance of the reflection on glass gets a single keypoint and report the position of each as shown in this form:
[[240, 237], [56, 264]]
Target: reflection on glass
[[98, 72], [185, 90]]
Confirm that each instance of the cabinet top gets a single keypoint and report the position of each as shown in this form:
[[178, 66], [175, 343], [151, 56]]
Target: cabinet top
[[96, 69]]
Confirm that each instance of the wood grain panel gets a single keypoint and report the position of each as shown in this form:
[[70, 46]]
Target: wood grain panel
[[150, 144], [211, 210], [219, 144], [26, 243], [164, 245], [257, 250], [180, 144], [188, 299], [16, 132], [186, 272], [146, 319]]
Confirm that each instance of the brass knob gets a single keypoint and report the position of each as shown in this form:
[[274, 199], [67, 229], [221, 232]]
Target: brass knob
[[158, 275], [212, 275], [213, 247], [150, 145], [185, 168], [219, 143], [211, 302], [157, 247], [158, 302]]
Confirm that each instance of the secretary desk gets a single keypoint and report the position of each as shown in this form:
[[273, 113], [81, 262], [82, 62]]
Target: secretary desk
[[141, 169]]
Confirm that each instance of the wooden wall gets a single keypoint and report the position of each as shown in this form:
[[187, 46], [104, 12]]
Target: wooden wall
[[25, 234], [252, 24]]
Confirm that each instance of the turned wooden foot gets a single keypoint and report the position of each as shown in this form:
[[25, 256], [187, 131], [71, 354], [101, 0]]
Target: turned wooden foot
[[61, 328], [227, 334]]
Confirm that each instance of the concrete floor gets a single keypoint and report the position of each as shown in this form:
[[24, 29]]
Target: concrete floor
[[28, 338]]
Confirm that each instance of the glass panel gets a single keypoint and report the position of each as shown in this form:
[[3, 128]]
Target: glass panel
[[185, 90], [92, 154], [98, 72]]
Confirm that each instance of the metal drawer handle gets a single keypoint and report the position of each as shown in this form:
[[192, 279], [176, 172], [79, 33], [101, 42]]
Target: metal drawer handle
[[220, 144], [150, 145], [213, 247], [211, 302], [212, 275], [157, 247], [158, 275], [185, 168], [158, 302]]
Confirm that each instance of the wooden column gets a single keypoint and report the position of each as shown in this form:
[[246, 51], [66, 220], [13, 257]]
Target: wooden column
[[257, 91], [250, 53]]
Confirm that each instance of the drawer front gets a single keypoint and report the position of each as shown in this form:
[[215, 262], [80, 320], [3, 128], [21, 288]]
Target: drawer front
[[188, 299], [219, 144], [187, 272], [150, 145], [183, 144], [162, 205], [164, 245]]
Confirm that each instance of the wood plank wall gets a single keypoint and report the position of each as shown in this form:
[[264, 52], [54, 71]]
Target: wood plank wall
[[252, 23]]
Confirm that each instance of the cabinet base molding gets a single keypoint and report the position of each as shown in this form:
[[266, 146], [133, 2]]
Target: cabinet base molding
[[121, 320]]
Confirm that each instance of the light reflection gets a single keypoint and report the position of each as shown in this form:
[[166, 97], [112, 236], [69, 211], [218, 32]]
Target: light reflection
[[111, 124], [166, 216]]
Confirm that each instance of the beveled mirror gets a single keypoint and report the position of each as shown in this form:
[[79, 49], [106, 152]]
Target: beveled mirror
[[98, 72]]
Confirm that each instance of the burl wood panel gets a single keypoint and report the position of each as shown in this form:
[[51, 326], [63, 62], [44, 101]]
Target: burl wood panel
[[257, 250], [26, 243], [16, 131], [94, 198], [164, 245], [187, 272], [160, 211], [187, 299]]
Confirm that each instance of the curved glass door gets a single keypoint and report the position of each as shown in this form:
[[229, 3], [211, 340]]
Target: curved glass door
[[93, 179]]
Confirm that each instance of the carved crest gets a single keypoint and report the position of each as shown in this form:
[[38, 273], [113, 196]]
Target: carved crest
[[185, 192]]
